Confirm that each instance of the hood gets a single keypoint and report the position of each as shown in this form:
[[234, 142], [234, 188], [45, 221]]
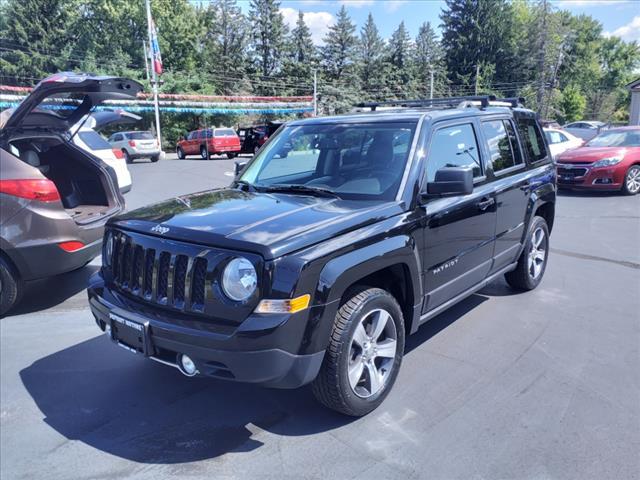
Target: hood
[[61, 100], [590, 154], [271, 224]]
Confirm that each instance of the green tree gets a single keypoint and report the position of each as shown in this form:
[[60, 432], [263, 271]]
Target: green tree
[[371, 50], [269, 32], [572, 104], [38, 39], [428, 58], [302, 56], [400, 55], [338, 53]]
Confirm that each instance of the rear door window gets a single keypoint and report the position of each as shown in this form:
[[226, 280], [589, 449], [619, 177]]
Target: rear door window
[[532, 140], [502, 144], [454, 146]]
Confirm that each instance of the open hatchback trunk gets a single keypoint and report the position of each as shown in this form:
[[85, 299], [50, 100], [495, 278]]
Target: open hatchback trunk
[[40, 131]]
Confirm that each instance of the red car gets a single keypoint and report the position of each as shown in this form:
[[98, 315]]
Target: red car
[[210, 141], [609, 161]]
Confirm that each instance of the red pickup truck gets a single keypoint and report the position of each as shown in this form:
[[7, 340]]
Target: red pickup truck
[[210, 141]]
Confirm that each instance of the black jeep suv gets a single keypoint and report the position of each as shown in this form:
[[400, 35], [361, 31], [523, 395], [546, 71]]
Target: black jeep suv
[[342, 236]]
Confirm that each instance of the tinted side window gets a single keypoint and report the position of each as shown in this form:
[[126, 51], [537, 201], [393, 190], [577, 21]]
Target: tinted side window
[[499, 145], [532, 140], [94, 141], [454, 146]]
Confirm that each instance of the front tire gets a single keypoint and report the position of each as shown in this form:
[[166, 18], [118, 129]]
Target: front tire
[[631, 185], [364, 354], [180, 153], [231, 155], [11, 287], [533, 259], [204, 154]]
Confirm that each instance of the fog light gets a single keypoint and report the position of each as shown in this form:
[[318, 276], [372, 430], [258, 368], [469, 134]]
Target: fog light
[[186, 365]]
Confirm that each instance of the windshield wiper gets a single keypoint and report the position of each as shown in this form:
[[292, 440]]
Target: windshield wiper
[[244, 183], [319, 191]]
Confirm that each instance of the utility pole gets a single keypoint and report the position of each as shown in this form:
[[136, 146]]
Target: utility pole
[[146, 60], [477, 75], [154, 81], [431, 87], [315, 93]]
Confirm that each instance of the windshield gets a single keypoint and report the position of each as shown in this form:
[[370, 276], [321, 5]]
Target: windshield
[[140, 136], [360, 161], [619, 138]]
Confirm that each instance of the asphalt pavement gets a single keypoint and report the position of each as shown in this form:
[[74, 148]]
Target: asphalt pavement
[[505, 385]]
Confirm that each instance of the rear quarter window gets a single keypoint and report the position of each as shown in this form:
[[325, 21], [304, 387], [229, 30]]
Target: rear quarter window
[[94, 141]]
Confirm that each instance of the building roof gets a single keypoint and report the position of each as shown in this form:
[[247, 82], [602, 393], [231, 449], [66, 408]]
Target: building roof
[[635, 85]]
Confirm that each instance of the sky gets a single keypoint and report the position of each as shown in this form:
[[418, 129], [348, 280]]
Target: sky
[[618, 17]]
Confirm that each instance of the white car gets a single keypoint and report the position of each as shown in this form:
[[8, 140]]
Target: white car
[[586, 129], [86, 137], [560, 141]]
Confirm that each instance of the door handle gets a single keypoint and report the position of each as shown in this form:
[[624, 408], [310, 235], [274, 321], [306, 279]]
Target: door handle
[[486, 203]]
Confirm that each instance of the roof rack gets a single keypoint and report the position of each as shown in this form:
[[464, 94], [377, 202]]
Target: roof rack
[[451, 102]]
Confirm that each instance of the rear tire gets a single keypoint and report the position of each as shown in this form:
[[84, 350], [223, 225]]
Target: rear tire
[[11, 287], [180, 153], [155, 158], [533, 259], [204, 154], [364, 354], [231, 155], [631, 185], [127, 157]]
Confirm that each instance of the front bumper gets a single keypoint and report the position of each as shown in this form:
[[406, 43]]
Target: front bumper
[[233, 354], [588, 177]]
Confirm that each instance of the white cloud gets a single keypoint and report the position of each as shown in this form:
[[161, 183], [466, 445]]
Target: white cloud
[[628, 32], [589, 3], [318, 22], [356, 3], [393, 5]]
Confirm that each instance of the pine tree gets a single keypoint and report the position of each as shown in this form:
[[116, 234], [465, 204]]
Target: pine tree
[[428, 59], [371, 50], [225, 43], [301, 55], [269, 33], [340, 44], [400, 52], [39, 37]]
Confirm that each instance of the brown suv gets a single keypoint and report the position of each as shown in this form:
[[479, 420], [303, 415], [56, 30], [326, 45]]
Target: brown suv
[[54, 197]]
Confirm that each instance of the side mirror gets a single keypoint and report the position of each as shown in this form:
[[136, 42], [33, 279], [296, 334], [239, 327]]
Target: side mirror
[[239, 167], [452, 181]]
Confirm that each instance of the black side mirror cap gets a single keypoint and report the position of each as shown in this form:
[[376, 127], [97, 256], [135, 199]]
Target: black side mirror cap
[[239, 167], [451, 181]]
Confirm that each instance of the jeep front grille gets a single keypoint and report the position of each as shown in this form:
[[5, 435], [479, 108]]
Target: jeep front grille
[[163, 277]]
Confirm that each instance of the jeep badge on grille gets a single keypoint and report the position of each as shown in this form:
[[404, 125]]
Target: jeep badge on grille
[[160, 229]]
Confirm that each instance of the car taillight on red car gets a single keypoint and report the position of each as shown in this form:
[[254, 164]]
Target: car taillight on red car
[[132, 143], [118, 153], [32, 189]]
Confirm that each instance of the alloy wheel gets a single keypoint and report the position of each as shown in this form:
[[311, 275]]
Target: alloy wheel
[[373, 350], [633, 180], [537, 253]]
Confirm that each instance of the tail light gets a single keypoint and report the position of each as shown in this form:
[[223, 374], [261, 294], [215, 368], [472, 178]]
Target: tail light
[[117, 152], [132, 143], [40, 190]]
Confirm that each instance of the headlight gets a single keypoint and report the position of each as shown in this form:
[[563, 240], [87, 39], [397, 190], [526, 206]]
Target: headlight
[[607, 162], [108, 249], [239, 279]]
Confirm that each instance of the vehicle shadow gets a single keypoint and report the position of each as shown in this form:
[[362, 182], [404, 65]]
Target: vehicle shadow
[[139, 410], [51, 291], [566, 192]]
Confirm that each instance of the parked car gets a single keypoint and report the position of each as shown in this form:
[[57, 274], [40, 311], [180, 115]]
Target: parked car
[[55, 196], [210, 141], [560, 141], [610, 161], [585, 130], [135, 144], [85, 135], [317, 261], [252, 138]]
